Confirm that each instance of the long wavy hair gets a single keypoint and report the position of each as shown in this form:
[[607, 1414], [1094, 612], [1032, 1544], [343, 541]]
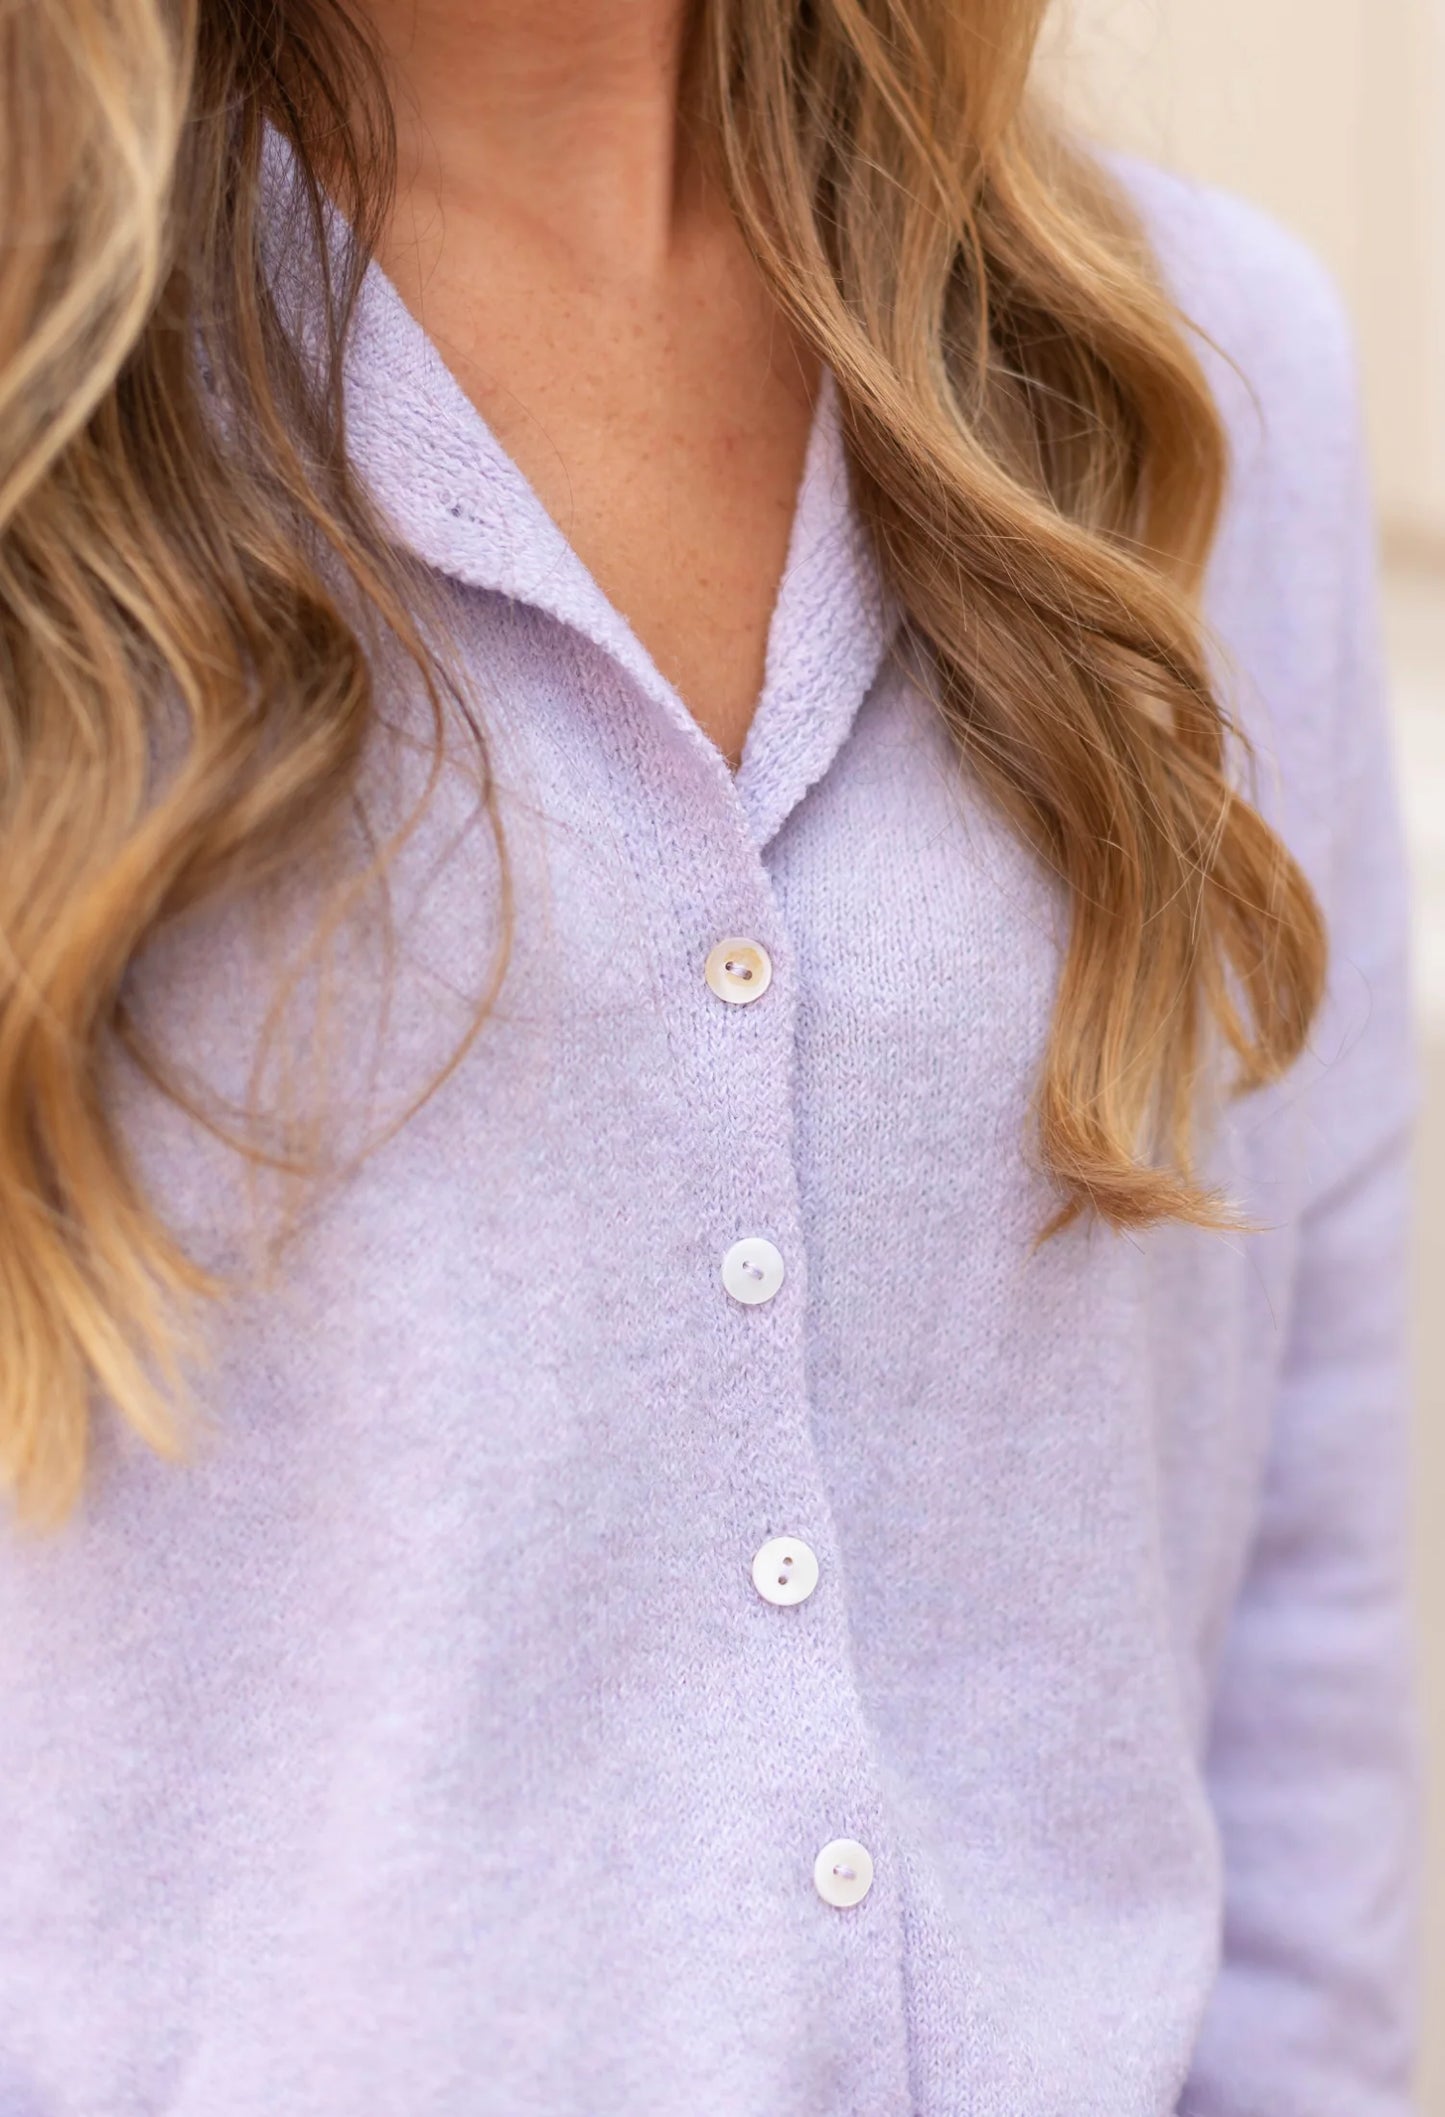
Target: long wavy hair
[[1032, 443]]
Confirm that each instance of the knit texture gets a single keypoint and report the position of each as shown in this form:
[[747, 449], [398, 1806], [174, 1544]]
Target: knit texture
[[422, 1748]]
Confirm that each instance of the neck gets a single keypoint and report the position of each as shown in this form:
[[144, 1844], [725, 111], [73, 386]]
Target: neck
[[566, 114]]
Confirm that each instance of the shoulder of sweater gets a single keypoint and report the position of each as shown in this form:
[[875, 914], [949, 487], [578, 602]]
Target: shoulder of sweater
[[1290, 603], [1267, 317]]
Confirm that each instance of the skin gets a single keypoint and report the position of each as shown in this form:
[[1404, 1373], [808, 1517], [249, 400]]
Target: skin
[[560, 235]]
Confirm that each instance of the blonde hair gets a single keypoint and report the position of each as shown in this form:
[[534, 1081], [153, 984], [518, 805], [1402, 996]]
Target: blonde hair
[[1033, 445]]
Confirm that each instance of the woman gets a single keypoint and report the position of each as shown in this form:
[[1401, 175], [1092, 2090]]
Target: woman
[[704, 1086]]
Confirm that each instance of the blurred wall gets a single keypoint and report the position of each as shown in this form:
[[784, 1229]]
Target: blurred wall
[[1331, 113]]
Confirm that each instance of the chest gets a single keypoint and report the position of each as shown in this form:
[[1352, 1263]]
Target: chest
[[572, 1188]]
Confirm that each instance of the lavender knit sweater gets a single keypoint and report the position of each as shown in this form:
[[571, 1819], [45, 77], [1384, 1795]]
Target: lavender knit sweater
[[430, 1744]]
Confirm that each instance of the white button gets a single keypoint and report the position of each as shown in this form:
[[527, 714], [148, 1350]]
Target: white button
[[738, 970], [843, 1872], [785, 1571], [752, 1270]]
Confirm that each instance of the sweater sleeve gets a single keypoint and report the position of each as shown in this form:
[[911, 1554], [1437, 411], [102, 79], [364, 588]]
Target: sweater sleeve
[[1312, 1749]]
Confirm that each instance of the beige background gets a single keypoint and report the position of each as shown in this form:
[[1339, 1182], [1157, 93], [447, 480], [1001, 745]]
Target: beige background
[[1331, 113]]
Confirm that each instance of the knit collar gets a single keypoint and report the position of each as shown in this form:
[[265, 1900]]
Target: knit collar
[[453, 496]]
